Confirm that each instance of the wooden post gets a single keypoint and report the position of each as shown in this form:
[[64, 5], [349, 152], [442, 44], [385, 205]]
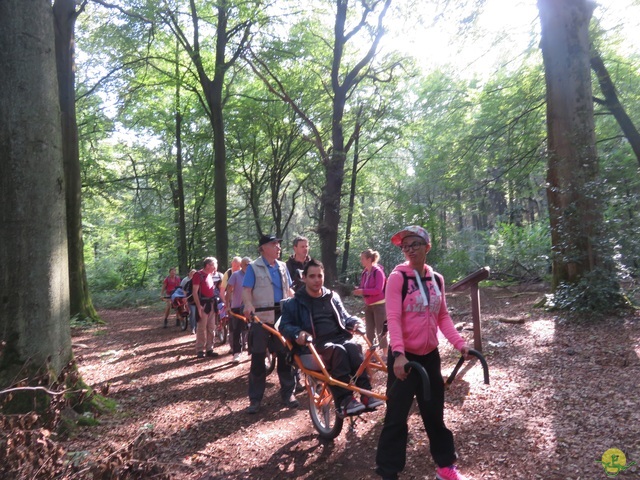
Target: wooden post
[[471, 281]]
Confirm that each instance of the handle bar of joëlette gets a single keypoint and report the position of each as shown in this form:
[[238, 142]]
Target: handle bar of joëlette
[[254, 319], [419, 370], [479, 356]]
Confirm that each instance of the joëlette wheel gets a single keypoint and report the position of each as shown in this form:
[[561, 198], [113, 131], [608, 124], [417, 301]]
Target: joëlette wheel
[[322, 409]]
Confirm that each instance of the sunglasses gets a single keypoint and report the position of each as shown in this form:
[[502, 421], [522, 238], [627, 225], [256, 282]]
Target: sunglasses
[[411, 247]]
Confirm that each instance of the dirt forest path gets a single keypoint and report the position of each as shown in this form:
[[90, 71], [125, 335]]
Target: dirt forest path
[[561, 395]]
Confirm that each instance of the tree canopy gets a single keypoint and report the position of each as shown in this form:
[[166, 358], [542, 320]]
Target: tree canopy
[[458, 150]]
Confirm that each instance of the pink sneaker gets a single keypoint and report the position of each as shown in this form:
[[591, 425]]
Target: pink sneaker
[[449, 473]]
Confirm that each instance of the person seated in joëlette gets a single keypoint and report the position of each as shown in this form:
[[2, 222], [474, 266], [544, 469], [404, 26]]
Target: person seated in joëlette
[[318, 313]]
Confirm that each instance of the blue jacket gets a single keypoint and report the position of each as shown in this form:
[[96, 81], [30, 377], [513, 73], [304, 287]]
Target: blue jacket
[[296, 314]]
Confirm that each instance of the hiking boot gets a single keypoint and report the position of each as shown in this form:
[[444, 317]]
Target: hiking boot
[[200, 355], [211, 353], [371, 402], [449, 473], [166, 322], [292, 402], [253, 408], [351, 406], [236, 358]]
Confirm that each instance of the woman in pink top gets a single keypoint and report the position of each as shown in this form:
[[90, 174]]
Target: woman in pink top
[[372, 281], [416, 309]]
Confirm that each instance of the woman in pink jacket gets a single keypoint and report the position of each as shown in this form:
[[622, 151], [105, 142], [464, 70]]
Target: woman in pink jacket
[[372, 282], [416, 309]]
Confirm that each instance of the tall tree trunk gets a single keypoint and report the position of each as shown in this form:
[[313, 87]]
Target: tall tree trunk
[[183, 262], [341, 86], [444, 239], [575, 213], [458, 211], [34, 279], [352, 199], [213, 93], [612, 102], [220, 171], [65, 19], [332, 191]]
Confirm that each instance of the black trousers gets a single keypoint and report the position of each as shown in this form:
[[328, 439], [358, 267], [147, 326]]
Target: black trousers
[[392, 445], [343, 357], [259, 341]]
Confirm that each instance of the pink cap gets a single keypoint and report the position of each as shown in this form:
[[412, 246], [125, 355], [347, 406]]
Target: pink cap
[[411, 231]]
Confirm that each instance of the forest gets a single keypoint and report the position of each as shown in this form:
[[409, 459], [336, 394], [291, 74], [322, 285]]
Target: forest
[[143, 135], [202, 127]]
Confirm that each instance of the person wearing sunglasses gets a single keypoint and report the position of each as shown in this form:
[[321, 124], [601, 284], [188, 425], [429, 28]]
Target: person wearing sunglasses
[[416, 310]]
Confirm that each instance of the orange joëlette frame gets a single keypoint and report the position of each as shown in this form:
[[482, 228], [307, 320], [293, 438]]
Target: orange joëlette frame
[[371, 360]]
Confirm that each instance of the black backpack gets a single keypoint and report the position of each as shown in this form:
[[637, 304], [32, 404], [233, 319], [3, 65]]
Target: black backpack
[[405, 282], [188, 290], [188, 287]]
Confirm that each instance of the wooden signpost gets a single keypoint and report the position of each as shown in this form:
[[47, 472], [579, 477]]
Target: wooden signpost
[[471, 282]]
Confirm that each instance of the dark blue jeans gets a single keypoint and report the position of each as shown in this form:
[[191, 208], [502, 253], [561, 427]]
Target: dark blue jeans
[[392, 445], [192, 316], [236, 328]]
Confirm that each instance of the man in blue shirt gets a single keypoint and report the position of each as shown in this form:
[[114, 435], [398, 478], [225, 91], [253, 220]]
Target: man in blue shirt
[[265, 283]]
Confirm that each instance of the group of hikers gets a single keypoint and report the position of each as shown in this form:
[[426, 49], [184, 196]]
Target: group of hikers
[[403, 313]]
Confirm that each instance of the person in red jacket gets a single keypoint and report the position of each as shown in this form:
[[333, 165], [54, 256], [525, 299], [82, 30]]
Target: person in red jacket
[[416, 310], [169, 284]]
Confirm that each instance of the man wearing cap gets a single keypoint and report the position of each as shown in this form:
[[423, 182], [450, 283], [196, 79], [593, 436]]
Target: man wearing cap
[[416, 310], [266, 282]]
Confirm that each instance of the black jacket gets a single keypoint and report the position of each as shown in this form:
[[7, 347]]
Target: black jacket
[[296, 314], [295, 268]]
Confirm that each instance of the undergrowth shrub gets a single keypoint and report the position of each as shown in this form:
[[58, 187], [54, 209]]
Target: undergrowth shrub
[[520, 252], [597, 291], [127, 298], [103, 275], [122, 270]]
